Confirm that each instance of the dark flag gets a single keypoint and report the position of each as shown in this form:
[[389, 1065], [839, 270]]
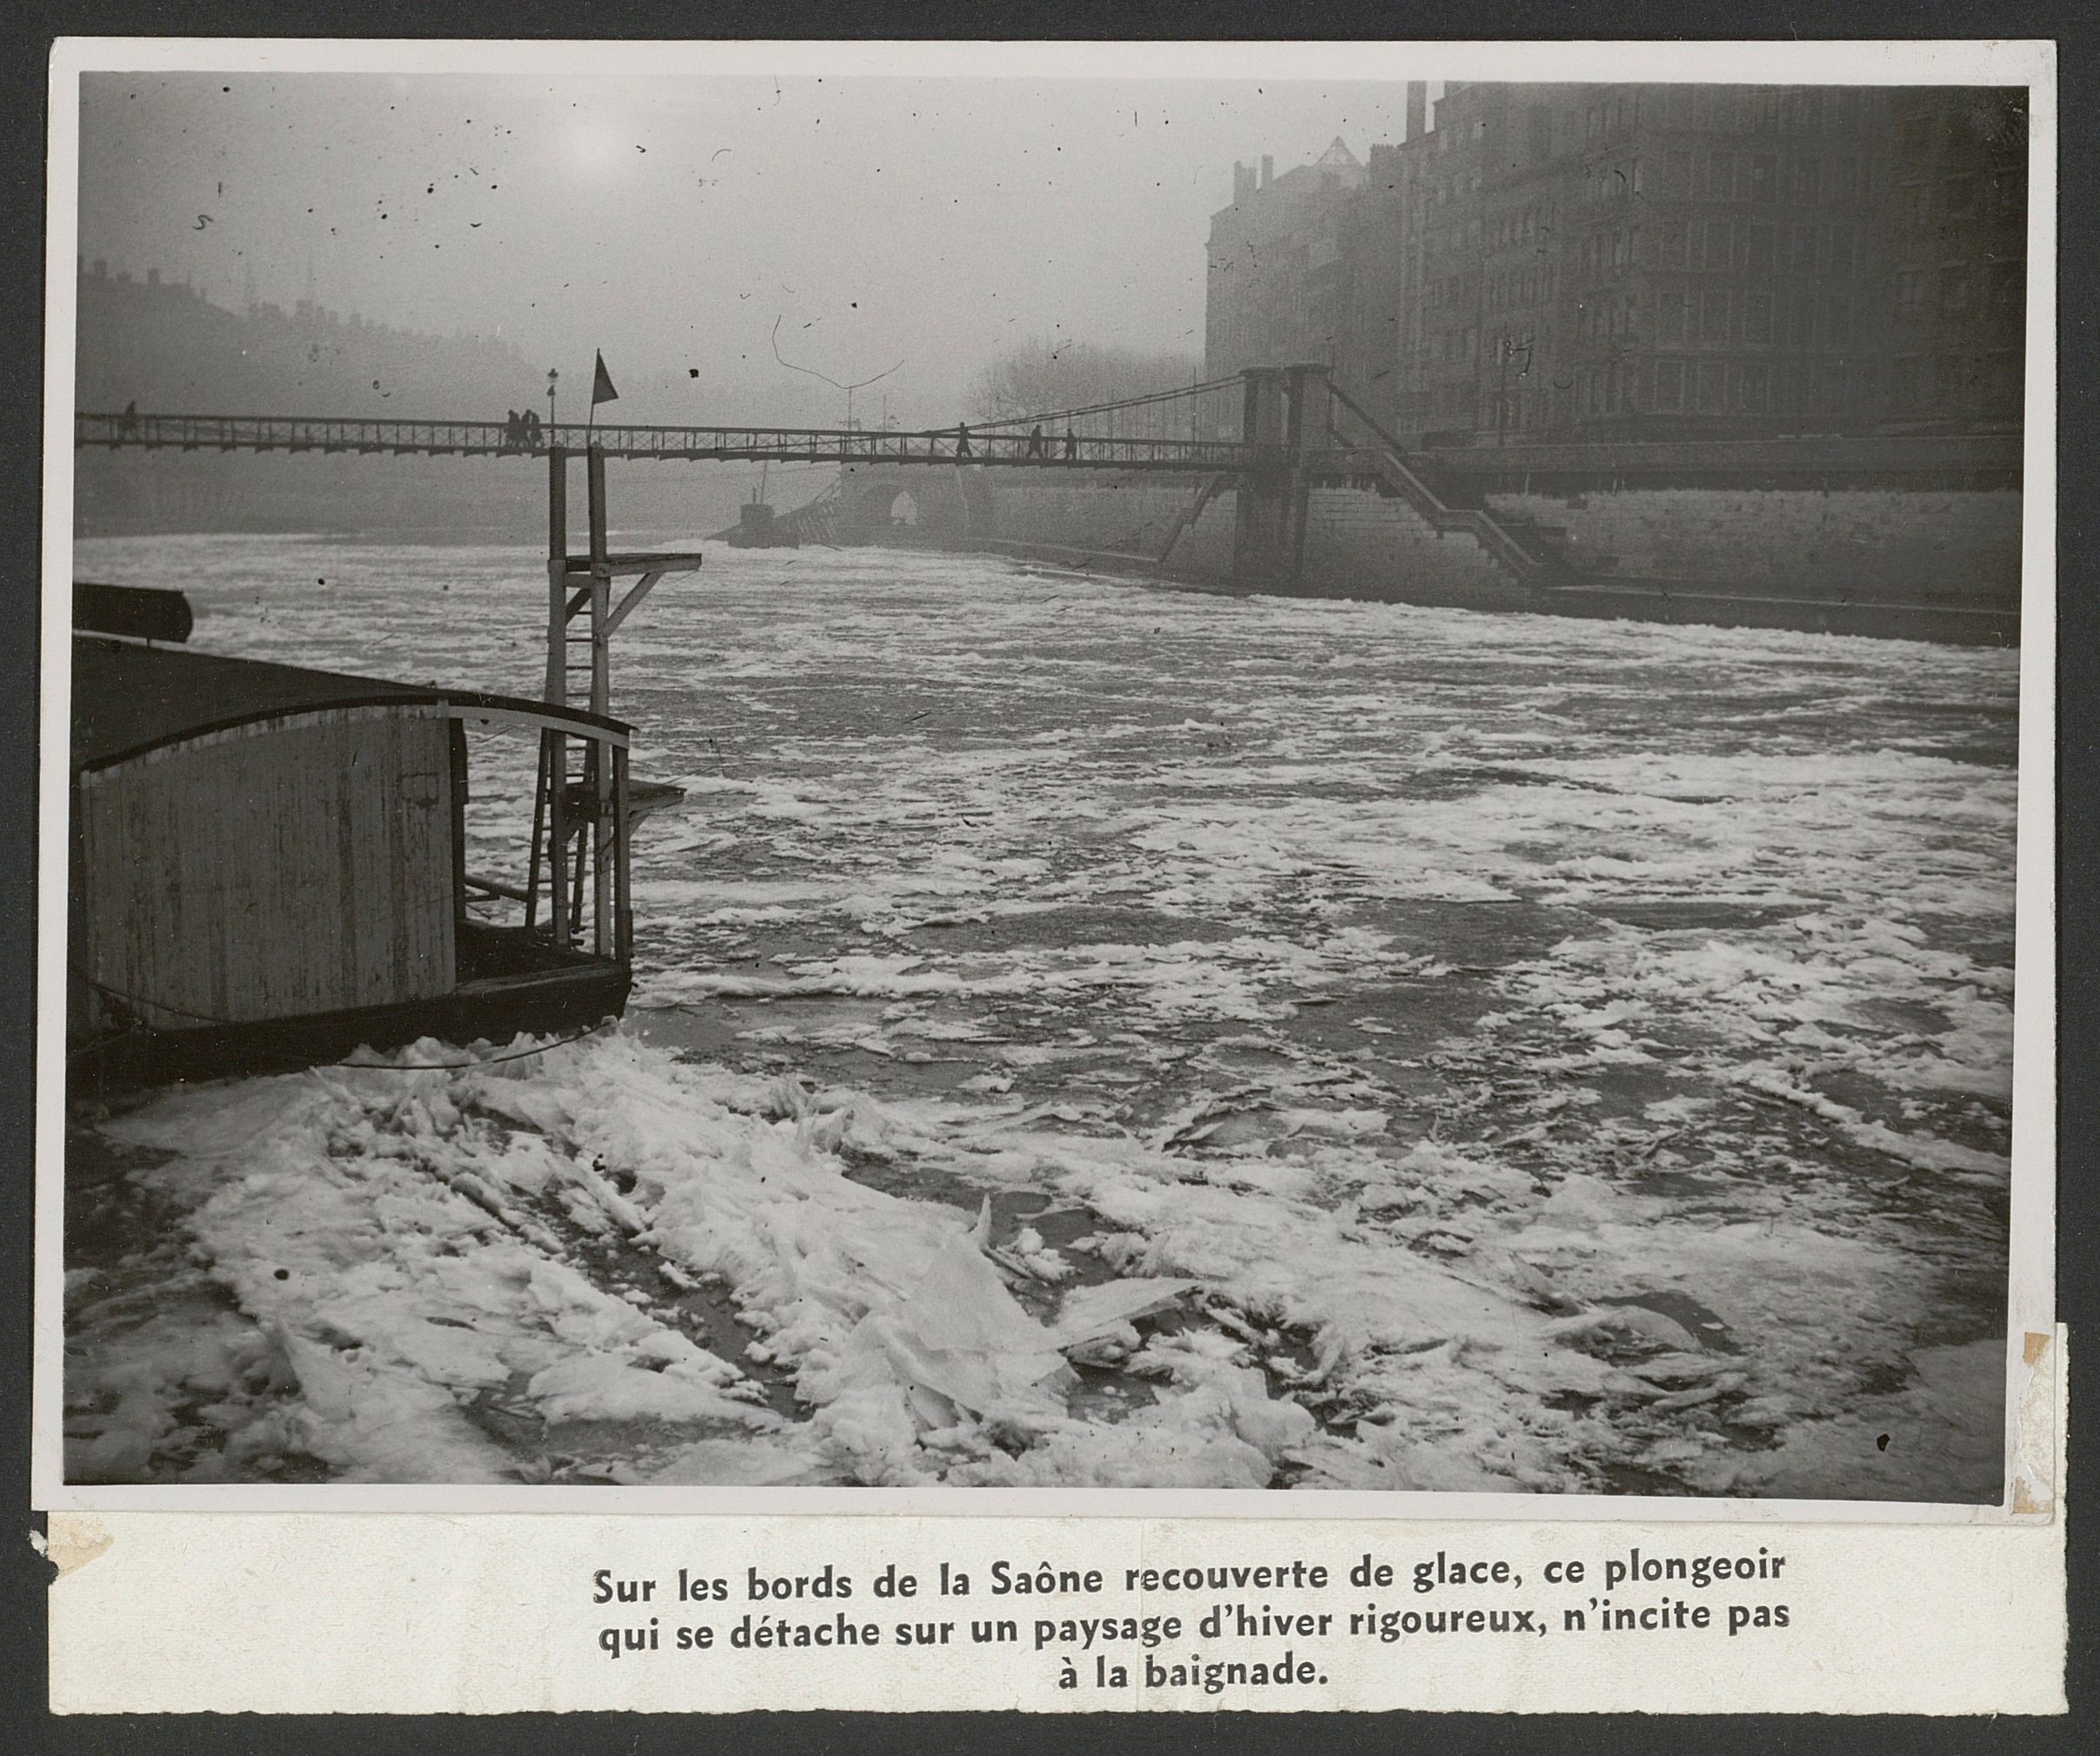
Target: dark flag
[[601, 386]]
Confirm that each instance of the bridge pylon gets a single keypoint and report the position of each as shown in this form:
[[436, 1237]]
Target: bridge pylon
[[1286, 411]]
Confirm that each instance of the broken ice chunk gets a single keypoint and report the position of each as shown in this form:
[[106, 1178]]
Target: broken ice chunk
[[958, 1333], [1087, 1312]]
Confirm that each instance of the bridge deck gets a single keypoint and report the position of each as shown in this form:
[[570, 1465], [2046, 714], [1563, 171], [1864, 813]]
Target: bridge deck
[[751, 445]]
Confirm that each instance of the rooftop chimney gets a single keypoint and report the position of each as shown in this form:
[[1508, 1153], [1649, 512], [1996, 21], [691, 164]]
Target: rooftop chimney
[[1418, 108], [1268, 170]]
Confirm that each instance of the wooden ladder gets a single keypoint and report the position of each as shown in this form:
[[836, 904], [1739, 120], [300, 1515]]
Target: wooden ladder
[[580, 817]]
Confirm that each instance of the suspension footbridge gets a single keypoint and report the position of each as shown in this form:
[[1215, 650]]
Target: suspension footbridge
[[1273, 433]]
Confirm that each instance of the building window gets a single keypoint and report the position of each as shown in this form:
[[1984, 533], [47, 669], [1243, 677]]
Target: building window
[[1902, 385], [1712, 387], [1672, 252], [1954, 289], [1830, 387], [1668, 377], [1802, 332], [1757, 385], [1808, 179], [1764, 177], [1757, 243], [1845, 181], [1713, 315], [1913, 204], [1789, 390], [1721, 176], [1948, 380], [1758, 318], [1840, 249], [1720, 244], [1669, 314], [1837, 322], [1909, 291], [1805, 237]]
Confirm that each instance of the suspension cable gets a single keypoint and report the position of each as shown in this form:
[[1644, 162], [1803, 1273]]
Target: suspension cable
[[1106, 408]]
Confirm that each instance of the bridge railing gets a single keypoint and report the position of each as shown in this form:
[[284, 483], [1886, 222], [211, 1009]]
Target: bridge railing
[[499, 438]]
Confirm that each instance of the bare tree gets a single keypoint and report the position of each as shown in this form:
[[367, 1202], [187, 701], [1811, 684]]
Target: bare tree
[[1040, 375]]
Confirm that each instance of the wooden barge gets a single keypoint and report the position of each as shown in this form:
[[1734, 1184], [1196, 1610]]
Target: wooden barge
[[268, 864]]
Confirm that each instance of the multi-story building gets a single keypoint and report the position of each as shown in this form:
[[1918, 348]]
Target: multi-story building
[[1951, 244], [1277, 287], [1496, 206], [1719, 274], [1615, 261]]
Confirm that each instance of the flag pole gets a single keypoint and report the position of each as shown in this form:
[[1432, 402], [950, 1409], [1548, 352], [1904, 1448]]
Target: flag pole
[[601, 391]]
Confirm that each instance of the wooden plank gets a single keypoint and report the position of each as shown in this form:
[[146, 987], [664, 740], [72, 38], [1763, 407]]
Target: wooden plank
[[275, 870], [647, 583]]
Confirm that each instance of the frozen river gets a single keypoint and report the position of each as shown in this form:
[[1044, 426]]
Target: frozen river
[[1405, 1049]]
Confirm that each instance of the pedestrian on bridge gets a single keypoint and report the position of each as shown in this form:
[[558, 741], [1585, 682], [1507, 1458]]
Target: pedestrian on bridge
[[1071, 442], [961, 440], [1034, 440]]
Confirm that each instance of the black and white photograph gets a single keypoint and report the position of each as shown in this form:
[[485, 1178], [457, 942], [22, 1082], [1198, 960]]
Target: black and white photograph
[[890, 780]]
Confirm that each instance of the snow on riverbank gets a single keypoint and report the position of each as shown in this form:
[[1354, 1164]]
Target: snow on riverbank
[[399, 1239]]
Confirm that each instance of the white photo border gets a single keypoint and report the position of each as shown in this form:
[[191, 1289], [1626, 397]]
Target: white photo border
[[2031, 1279]]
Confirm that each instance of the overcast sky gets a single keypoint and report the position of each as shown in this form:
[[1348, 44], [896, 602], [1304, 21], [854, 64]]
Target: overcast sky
[[672, 222]]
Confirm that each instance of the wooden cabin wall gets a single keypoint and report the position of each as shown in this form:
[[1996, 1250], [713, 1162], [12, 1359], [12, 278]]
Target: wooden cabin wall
[[297, 865]]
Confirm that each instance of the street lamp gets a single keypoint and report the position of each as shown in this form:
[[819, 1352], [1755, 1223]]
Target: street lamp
[[1508, 349]]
